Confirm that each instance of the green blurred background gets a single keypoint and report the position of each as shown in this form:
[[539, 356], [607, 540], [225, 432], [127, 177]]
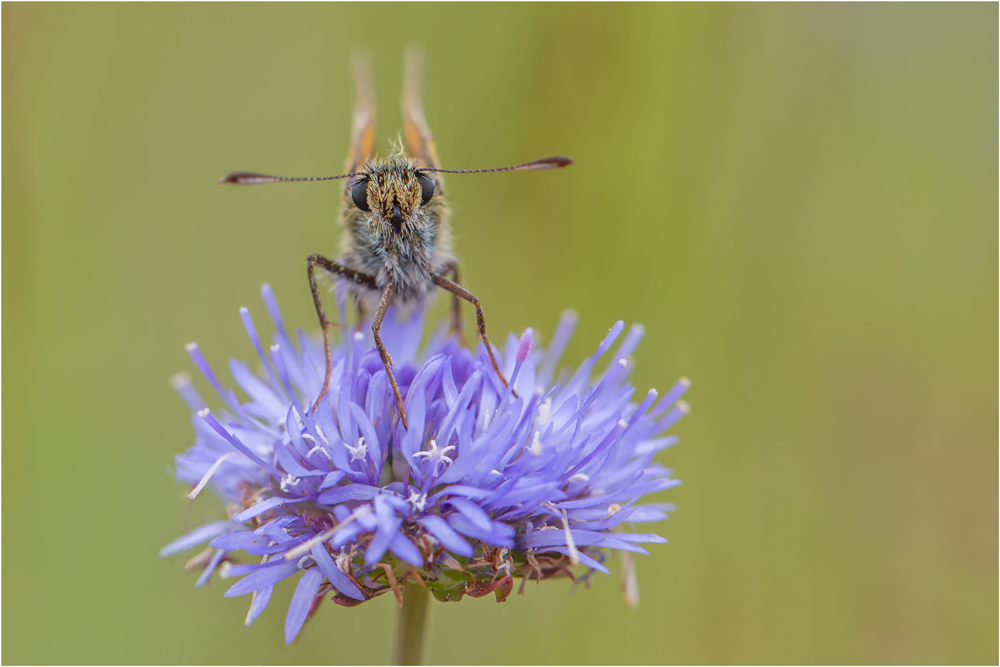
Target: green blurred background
[[799, 202]]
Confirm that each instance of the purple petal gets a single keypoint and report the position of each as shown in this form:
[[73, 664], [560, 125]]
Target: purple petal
[[341, 494], [255, 388], [339, 580], [182, 385], [380, 543], [564, 331], [268, 576], [406, 550], [206, 370], [446, 535], [671, 396], [210, 568], [367, 430], [500, 534], [582, 538], [195, 537], [267, 294], [262, 507], [584, 558], [239, 541], [472, 512], [255, 340], [237, 443], [259, 603], [301, 603], [332, 479], [607, 522]]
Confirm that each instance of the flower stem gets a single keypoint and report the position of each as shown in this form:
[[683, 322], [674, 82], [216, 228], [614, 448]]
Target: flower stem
[[412, 625]]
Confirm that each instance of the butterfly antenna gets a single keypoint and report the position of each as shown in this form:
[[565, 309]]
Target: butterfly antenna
[[250, 178], [545, 163]]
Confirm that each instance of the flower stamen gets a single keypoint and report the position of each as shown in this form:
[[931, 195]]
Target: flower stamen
[[208, 475], [436, 455], [358, 453]]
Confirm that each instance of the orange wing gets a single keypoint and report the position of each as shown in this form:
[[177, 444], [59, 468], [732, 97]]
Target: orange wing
[[419, 142], [363, 131]]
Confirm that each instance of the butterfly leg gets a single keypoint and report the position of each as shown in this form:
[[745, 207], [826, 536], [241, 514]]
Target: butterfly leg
[[456, 312], [463, 293], [383, 306], [324, 323]]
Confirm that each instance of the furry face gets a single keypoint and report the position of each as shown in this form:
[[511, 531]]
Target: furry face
[[396, 227], [393, 191]]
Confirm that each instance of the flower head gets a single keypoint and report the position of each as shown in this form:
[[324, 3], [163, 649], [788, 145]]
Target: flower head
[[488, 483]]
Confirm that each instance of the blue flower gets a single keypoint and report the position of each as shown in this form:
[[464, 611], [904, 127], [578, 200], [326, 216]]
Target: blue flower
[[489, 482]]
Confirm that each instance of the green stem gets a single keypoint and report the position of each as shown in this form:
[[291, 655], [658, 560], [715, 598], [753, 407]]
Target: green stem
[[412, 625]]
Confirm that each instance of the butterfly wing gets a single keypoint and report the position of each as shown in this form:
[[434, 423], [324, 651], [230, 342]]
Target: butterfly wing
[[419, 141], [363, 130]]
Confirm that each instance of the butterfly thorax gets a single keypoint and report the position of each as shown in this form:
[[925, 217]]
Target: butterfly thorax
[[404, 236]]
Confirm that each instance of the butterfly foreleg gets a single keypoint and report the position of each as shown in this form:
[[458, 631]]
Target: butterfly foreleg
[[461, 292], [324, 323], [383, 306]]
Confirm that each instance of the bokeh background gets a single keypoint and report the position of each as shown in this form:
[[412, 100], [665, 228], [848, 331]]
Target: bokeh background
[[799, 202]]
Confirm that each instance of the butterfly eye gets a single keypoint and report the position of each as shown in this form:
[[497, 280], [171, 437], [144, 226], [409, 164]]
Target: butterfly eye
[[426, 187], [359, 193]]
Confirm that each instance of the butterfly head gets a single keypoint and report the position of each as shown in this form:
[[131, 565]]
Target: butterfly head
[[392, 192]]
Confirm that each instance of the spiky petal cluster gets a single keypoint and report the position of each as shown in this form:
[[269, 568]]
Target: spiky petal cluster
[[489, 482]]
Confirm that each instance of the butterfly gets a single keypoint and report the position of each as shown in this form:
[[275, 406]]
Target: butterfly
[[396, 240]]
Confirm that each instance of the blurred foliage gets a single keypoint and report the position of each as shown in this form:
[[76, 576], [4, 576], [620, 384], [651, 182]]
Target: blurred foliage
[[798, 201]]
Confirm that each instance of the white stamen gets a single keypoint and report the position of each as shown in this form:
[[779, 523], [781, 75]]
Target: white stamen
[[225, 570], [631, 583], [613, 509], [200, 560], [343, 561], [579, 477], [544, 411], [289, 480], [683, 407], [180, 380], [307, 546], [253, 598], [204, 413], [358, 453], [319, 432], [418, 501], [448, 561], [191, 346], [358, 335], [303, 560], [536, 445], [574, 555], [486, 419], [208, 475], [436, 455], [321, 450]]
